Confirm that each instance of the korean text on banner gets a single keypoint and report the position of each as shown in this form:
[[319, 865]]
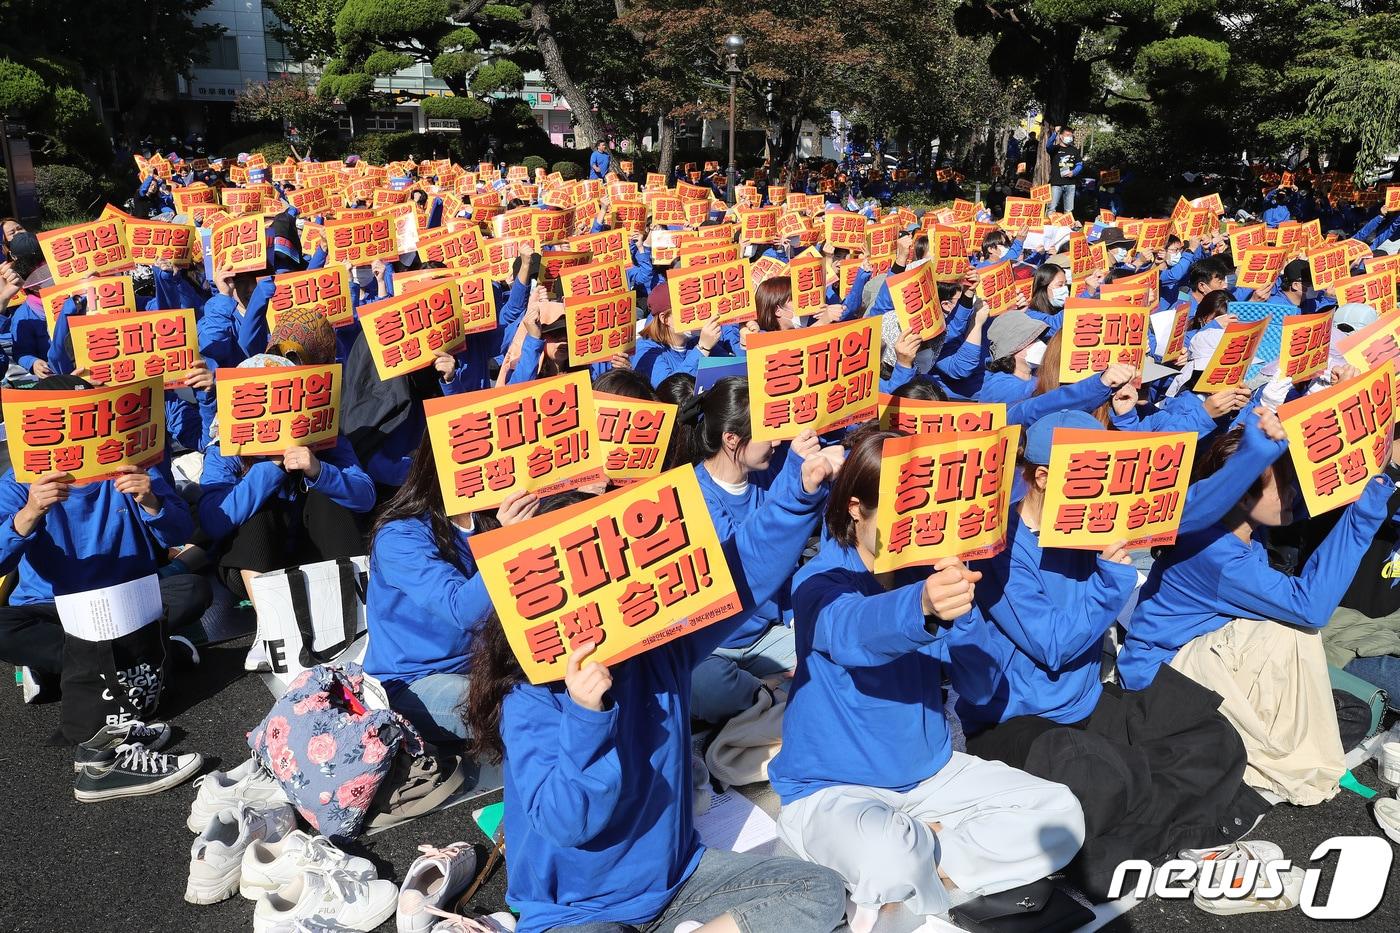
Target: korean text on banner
[[262, 412], [1304, 346], [996, 285], [86, 433], [808, 274], [1232, 357], [926, 416], [628, 571], [325, 291], [916, 304], [635, 434], [239, 245], [599, 327], [1098, 334], [112, 295], [538, 437], [704, 292], [1340, 437], [815, 377], [1106, 487], [405, 333], [596, 278], [151, 241], [360, 242], [1373, 345], [87, 249], [119, 349], [944, 495]]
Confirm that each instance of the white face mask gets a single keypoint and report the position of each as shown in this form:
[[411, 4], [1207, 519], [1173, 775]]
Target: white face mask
[[1035, 353], [1119, 254], [1059, 295], [1173, 258], [999, 252], [1068, 140]]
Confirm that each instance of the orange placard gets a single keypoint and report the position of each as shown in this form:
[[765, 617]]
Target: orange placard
[[764, 268], [821, 378], [667, 210], [456, 249], [1232, 357], [1303, 345], [758, 225], [187, 197], [120, 349], [1142, 290], [1041, 193], [1329, 265], [1376, 289], [104, 296], [808, 274], [1115, 486], [1175, 350], [1022, 212], [700, 293], [996, 286], [1373, 345], [404, 333], [326, 291], [1254, 236], [262, 412], [635, 434], [916, 304], [1340, 437], [1196, 223], [880, 241], [606, 246], [593, 279], [477, 300], [538, 437], [1151, 234], [1098, 334], [86, 433], [76, 252], [1085, 258], [501, 253], [551, 226], [627, 571], [361, 241], [1258, 268], [925, 416], [239, 244], [944, 495], [151, 241], [844, 230], [599, 327], [704, 253], [947, 258], [553, 264]]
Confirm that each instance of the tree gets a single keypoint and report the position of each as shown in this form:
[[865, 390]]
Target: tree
[[305, 27], [290, 103], [590, 132]]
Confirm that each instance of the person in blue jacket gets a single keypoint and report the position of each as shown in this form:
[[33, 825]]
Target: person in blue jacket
[[234, 324], [1035, 668], [425, 602], [869, 781], [1016, 345], [600, 162], [1214, 609], [598, 768], [662, 351], [276, 512]]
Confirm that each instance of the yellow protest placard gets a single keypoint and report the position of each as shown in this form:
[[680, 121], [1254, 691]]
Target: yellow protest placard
[[501, 253], [151, 241], [325, 291], [81, 250], [808, 274], [627, 571], [551, 226], [758, 225], [555, 262], [1232, 357], [361, 241], [1258, 268], [112, 295], [1107, 486], [704, 253], [86, 433], [605, 246], [947, 258], [1085, 258], [1303, 345], [996, 286], [456, 249], [1041, 193], [844, 230], [239, 245], [1373, 345], [926, 416], [599, 327], [821, 378], [764, 268], [1142, 290], [1253, 236], [944, 495], [405, 332], [1098, 333], [1328, 265], [1376, 289], [635, 434], [119, 349], [916, 304], [596, 278], [538, 437], [1022, 212], [1340, 437], [187, 197], [262, 412], [700, 293], [1175, 350]]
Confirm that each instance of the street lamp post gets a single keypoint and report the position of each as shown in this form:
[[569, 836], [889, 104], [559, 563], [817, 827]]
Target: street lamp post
[[733, 51]]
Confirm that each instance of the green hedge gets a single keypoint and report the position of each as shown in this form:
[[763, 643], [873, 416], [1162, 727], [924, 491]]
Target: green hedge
[[571, 171], [64, 192]]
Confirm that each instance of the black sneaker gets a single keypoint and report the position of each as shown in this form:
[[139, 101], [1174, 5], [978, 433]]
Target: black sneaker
[[134, 771], [154, 736]]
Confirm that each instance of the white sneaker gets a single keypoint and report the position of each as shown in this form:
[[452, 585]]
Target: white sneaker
[[333, 898], [1387, 815], [500, 922], [269, 865], [216, 858], [434, 880], [227, 790]]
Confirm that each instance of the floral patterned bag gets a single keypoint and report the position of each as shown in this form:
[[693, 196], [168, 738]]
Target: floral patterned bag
[[329, 749]]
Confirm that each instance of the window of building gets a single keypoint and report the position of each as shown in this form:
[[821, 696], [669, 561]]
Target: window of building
[[222, 53]]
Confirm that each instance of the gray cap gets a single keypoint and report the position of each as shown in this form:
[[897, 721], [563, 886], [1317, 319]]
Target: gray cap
[[1352, 317], [1012, 332]]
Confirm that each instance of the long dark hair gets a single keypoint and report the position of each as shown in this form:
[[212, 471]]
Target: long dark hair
[[420, 496], [772, 294], [1210, 307], [493, 671], [1040, 287], [859, 479], [679, 390], [724, 410]]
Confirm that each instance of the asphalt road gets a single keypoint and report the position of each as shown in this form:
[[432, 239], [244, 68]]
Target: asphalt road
[[120, 867]]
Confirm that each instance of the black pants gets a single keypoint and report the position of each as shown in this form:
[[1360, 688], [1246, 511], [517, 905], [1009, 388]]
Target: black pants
[[286, 533], [1155, 770], [31, 636]]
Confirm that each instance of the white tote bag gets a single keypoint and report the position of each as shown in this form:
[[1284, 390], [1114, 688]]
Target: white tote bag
[[310, 615]]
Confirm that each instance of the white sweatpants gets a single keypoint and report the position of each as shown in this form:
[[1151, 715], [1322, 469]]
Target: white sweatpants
[[1000, 828]]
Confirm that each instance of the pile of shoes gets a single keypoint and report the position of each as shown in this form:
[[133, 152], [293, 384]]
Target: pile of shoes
[[125, 761]]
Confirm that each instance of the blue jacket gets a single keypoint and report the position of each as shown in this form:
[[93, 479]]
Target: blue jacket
[[97, 537], [425, 610], [598, 808], [599, 164], [226, 337]]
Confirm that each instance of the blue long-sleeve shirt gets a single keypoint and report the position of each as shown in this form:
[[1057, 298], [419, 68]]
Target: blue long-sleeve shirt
[[426, 609], [96, 537], [1212, 577], [30, 330], [228, 337], [598, 806], [230, 496]]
